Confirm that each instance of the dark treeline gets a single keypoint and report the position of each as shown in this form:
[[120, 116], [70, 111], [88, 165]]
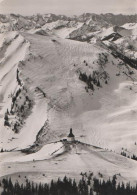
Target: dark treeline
[[68, 186], [134, 157], [90, 80]]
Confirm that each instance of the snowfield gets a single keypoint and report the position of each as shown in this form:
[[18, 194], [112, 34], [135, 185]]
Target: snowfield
[[46, 152], [51, 161]]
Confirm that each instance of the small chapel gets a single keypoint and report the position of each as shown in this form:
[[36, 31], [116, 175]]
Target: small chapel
[[71, 136]]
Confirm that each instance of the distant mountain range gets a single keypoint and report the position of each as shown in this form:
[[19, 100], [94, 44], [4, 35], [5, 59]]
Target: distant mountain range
[[33, 21]]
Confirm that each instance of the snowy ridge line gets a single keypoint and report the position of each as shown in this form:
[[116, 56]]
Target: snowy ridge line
[[14, 48], [10, 52]]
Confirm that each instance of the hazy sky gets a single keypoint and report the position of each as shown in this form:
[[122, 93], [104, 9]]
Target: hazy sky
[[68, 7]]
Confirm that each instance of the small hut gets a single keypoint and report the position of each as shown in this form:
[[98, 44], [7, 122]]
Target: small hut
[[71, 137]]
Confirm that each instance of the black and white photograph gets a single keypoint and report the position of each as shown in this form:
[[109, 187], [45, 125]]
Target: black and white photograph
[[68, 97]]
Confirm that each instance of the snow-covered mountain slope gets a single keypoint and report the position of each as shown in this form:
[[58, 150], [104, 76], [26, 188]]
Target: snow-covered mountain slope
[[123, 39], [14, 50], [124, 31], [50, 94], [131, 26], [49, 84], [70, 159], [59, 28]]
